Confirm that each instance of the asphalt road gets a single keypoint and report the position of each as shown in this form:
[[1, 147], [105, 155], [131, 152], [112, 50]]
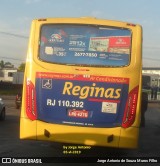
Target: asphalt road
[[12, 146]]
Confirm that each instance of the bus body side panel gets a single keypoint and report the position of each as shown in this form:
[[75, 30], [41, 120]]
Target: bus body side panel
[[29, 132], [129, 137]]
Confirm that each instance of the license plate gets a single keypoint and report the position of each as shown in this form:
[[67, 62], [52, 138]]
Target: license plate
[[78, 113]]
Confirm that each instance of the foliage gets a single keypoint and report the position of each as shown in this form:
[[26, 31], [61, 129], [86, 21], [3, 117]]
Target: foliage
[[10, 65], [1, 64], [22, 67], [6, 64]]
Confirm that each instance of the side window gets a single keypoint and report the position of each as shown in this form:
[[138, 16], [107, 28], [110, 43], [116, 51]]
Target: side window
[[10, 74]]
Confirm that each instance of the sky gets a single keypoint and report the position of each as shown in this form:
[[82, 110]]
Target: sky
[[16, 17]]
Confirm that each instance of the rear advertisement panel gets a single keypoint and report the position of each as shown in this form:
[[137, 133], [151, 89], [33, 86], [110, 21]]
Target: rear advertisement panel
[[78, 44], [81, 100]]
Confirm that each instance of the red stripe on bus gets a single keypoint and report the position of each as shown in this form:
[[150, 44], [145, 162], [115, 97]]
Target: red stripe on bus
[[82, 77], [102, 100]]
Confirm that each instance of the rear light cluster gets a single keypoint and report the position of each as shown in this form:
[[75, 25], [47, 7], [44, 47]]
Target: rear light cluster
[[130, 109], [17, 97], [31, 109]]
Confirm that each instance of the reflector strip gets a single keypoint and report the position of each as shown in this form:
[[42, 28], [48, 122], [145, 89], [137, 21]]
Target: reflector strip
[[31, 109], [130, 110]]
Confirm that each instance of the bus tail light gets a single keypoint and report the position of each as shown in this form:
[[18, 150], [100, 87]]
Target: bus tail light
[[130, 109], [31, 109]]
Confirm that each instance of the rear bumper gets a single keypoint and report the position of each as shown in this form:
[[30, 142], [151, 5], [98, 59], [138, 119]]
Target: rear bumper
[[110, 137]]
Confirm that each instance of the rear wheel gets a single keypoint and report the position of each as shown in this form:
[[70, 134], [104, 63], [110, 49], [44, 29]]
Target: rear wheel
[[144, 106], [3, 115]]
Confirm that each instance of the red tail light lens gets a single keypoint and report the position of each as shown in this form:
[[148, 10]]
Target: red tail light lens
[[130, 109], [16, 97], [31, 109]]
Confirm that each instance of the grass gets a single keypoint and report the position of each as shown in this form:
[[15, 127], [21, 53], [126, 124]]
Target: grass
[[9, 92], [7, 88]]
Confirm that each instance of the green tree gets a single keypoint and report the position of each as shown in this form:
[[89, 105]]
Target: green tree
[[1, 64], [8, 65], [22, 67]]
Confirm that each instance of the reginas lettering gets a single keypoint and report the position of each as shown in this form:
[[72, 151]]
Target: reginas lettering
[[90, 91]]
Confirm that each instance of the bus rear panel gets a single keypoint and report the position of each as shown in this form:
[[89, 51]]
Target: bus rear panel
[[82, 82]]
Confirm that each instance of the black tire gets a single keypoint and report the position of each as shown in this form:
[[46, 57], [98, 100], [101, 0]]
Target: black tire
[[3, 115], [144, 107]]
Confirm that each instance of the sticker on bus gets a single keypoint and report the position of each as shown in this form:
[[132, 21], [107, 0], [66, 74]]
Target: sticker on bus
[[78, 113], [108, 107]]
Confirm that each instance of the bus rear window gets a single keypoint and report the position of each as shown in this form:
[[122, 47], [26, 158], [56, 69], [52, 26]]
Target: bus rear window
[[85, 45]]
